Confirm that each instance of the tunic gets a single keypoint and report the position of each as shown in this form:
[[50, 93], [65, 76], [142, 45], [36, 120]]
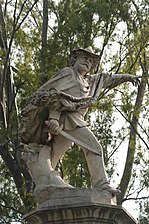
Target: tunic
[[72, 83]]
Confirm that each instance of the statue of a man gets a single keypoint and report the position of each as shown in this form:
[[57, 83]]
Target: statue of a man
[[54, 118]]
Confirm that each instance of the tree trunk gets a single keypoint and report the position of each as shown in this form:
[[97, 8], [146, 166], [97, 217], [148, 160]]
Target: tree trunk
[[132, 139], [43, 64], [8, 117]]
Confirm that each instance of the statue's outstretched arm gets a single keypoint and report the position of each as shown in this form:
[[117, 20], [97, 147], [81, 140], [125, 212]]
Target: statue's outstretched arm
[[111, 81]]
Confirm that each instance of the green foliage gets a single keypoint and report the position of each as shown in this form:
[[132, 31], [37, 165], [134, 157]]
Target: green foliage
[[74, 168], [102, 128], [144, 212], [11, 206]]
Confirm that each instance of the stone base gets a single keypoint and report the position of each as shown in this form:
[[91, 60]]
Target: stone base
[[74, 206], [69, 196]]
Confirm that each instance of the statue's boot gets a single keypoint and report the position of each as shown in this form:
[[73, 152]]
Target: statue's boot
[[106, 186], [55, 180], [52, 183]]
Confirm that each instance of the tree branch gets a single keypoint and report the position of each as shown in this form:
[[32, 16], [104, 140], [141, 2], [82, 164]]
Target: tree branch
[[112, 153], [135, 198], [15, 171], [132, 126], [43, 63], [26, 15]]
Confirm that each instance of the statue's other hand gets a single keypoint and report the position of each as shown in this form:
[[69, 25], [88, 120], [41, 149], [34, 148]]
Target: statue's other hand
[[53, 126]]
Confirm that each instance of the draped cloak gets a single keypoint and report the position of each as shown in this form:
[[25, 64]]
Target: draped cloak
[[70, 82]]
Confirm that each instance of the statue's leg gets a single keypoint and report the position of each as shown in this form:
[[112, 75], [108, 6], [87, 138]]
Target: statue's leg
[[38, 162], [94, 160], [49, 157], [44, 158], [59, 147], [38, 159], [96, 167]]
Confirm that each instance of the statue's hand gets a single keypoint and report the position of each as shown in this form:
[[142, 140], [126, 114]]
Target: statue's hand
[[53, 126], [135, 80]]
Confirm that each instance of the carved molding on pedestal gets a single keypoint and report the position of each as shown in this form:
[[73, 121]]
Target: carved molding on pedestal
[[85, 206]]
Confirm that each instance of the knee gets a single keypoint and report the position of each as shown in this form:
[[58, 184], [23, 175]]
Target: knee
[[89, 153]]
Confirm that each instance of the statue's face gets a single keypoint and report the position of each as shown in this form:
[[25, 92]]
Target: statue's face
[[83, 63]]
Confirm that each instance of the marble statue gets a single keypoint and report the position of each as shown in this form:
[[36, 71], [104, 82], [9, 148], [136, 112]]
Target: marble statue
[[54, 118]]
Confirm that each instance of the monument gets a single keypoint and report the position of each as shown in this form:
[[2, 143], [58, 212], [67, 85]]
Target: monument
[[54, 118]]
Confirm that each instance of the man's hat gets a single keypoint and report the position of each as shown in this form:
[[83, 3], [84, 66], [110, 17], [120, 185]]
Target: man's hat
[[88, 51]]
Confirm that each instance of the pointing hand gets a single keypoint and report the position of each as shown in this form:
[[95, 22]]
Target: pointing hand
[[135, 80]]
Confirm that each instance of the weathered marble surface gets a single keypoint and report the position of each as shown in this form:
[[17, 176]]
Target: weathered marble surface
[[59, 106], [68, 196], [79, 206]]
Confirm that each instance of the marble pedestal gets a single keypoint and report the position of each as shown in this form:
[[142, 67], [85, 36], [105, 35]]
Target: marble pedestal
[[74, 206]]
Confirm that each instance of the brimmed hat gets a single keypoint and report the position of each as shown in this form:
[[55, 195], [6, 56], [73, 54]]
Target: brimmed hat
[[88, 51]]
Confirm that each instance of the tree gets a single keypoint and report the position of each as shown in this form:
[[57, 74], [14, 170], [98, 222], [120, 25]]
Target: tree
[[9, 110], [139, 57], [144, 212], [32, 50]]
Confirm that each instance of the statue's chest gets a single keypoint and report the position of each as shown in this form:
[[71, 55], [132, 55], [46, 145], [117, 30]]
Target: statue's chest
[[82, 86], [74, 85]]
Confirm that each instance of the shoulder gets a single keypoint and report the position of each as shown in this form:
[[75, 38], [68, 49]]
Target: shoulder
[[60, 77], [64, 72]]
